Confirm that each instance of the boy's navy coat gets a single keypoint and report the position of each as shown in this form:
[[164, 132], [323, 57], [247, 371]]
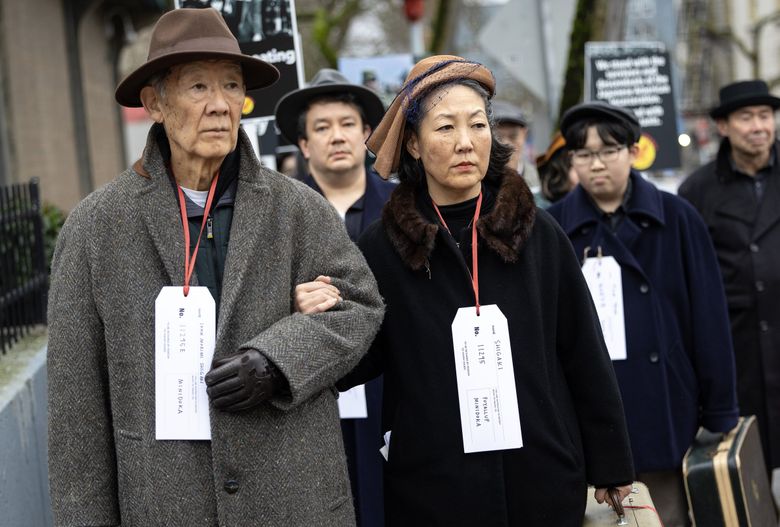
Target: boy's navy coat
[[679, 373]]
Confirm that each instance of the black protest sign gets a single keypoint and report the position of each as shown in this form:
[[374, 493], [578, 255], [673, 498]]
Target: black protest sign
[[637, 76], [265, 29], [279, 51]]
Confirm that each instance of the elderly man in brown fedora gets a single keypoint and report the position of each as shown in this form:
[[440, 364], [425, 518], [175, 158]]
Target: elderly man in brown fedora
[[183, 389], [738, 194]]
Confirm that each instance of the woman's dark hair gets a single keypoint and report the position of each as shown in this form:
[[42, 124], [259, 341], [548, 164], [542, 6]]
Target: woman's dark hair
[[412, 171], [554, 176], [611, 132]]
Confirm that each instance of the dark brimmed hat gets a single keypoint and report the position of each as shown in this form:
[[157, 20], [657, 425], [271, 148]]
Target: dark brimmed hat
[[601, 111], [507, 113], [187, 35], [326, 81], [744, 93]]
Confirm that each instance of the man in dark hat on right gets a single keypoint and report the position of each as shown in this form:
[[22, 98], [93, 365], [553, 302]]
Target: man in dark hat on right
[[738, 194], [330, 120]]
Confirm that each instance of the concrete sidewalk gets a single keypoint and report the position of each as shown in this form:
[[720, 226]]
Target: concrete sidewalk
[[24, 483]]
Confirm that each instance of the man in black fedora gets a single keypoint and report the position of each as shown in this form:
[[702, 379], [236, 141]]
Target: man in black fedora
[[330, 120], [738, 194], [193, 253]]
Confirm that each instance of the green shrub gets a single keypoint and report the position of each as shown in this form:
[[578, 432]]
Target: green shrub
[[53, 219]]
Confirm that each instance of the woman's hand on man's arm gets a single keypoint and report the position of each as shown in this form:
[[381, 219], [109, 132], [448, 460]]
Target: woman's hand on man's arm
[[317, 296]]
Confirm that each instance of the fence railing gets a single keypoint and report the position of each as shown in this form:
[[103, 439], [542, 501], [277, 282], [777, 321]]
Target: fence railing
[[24, 280]]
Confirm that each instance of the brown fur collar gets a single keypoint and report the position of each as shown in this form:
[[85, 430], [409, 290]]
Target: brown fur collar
[[505, 228]]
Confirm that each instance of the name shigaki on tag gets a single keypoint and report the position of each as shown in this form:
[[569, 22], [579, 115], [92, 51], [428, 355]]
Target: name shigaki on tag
[[487, 394]]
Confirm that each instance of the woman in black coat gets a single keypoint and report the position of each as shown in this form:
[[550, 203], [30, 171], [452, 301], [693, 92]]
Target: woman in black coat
[[437, 135]]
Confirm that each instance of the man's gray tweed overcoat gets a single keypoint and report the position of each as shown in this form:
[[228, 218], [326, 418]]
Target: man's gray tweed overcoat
[[119, 247]]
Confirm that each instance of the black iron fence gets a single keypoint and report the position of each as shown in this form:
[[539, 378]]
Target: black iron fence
[[24, 280]]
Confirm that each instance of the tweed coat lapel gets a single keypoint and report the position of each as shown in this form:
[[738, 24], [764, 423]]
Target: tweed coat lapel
[[163, 220], [160, 211], [245, 235]]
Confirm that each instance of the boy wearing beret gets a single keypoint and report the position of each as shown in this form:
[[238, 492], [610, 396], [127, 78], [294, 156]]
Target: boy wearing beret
[[652, 262]]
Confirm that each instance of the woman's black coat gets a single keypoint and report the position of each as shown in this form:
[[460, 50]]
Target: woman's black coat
[[570, 410]]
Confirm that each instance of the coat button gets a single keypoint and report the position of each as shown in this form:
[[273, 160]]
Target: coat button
[[654, 357], [764, 325], [760, 286], [753, 248], [644, 288], [231, 486]]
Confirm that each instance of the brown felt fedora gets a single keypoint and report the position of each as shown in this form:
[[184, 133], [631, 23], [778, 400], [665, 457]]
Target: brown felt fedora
[[186, 35]]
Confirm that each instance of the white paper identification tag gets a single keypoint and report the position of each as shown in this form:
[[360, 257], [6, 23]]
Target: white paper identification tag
[[486, 380], [352, 403], [606, 287], [185, 328]]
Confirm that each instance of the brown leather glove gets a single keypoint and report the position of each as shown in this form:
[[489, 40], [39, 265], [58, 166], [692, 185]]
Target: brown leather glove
[[243, 381]]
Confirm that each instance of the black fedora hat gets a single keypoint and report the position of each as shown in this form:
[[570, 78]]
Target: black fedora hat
[[325, 82], [186, 35], [743, 93], [600, 110]]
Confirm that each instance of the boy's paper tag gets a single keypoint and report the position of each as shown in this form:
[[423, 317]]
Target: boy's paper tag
[[606, 287], [487, 395], [185, 331], [352, 403]]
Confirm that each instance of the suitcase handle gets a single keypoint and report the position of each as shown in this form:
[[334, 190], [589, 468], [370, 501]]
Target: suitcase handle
[[614, 495]]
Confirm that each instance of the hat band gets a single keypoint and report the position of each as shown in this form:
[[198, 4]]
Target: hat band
[[201, 45]]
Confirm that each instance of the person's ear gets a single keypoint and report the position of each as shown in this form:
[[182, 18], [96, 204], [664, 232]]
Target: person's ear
[[413, 146], [303, 145], [366, 132], [152, 103], [633, 152], [723, 127]]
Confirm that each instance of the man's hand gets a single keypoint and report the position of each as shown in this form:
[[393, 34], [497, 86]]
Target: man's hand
[[602, 495], [242, 381], [317, 296]]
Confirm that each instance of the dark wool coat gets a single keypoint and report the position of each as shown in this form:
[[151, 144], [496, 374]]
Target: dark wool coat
[[570, 410], [363, 437], [747, 240], [679, 373], [278, 464]]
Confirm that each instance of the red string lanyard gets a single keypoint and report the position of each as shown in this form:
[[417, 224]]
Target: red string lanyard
[[189, 263], [475, 270]]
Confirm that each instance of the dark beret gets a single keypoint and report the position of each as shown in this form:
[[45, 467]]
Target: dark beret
[[601, 111]]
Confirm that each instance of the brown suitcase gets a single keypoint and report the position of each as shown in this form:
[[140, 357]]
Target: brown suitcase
[[726, 479], [638, 510]]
